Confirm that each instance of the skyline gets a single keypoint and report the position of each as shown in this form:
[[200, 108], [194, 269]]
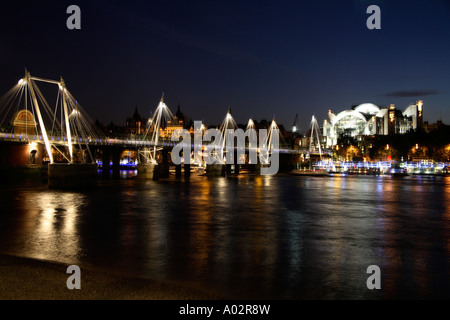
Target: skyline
[[261, 59]]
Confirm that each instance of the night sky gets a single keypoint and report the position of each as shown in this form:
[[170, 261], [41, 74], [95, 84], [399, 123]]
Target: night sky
[[260, 57]]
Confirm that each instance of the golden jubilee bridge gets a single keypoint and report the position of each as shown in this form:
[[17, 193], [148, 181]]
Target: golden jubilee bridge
[[35, 133]]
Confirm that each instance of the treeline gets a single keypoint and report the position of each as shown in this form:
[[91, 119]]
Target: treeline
[[414, 145]]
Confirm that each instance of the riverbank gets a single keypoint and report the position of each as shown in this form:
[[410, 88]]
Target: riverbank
[[30, 279]]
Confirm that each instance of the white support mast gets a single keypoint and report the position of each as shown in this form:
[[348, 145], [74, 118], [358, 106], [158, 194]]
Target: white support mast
[[315, 127], [158, 114], [62, 87], [38, 113]]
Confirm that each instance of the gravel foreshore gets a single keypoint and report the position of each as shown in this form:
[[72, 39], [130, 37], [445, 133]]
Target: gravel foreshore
[[31, 279]]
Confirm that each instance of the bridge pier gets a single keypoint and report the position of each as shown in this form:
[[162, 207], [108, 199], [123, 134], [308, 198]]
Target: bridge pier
[[164, 164], [232, 168], [116, 162], [72, 175], [254, 168], [106, 158], [178, 170], [215, 170], [236, 161], [187, 170], [148, 171]]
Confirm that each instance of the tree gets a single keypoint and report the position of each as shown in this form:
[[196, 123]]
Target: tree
[[349, 153], [345, 139]]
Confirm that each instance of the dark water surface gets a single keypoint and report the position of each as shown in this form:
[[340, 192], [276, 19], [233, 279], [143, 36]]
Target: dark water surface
[[265, 237]]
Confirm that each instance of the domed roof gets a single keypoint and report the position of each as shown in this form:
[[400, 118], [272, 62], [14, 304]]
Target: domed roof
[[346, 113], [368, 108]]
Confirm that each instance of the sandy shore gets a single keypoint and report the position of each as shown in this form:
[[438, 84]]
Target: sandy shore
[[29, 279]]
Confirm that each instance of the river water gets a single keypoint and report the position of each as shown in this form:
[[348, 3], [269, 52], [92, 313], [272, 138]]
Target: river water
[[247, 236]]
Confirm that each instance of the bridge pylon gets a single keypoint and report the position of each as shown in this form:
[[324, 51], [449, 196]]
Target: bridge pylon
[[60, 128]]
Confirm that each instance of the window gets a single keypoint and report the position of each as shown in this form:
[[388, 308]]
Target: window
[[33, 157]]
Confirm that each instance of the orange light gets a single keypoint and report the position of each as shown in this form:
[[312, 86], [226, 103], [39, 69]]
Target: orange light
[[391, 116], [419, 105], [32, 145]]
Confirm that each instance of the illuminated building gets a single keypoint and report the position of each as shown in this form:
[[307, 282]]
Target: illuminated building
[[171, 125], [26, 153], [368, 119], [24, 123], [134, 125]]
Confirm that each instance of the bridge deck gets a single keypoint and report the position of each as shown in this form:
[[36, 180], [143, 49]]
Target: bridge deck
[[61, 140]]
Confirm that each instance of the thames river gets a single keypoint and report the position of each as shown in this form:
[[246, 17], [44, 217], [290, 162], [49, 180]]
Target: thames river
[[246, 236]]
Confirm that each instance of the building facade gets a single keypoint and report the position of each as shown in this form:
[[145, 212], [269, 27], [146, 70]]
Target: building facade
[[135, 124], [368, 119]]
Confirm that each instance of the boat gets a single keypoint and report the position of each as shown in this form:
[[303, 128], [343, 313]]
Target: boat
[[396, 170], [310, 172]]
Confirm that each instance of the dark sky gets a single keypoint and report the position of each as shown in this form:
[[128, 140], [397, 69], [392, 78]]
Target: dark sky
[[260, 57]]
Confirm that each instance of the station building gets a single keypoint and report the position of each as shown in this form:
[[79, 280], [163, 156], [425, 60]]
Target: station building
[[368, 119]]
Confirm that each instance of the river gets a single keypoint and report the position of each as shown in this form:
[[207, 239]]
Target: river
[[247, 236]]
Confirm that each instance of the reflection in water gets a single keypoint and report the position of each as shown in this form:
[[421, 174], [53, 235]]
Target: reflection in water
[[248, 236], [446, 216], [48, 225]]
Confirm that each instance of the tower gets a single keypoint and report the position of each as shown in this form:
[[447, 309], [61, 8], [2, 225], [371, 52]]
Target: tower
[[419, 119], [295, 124]]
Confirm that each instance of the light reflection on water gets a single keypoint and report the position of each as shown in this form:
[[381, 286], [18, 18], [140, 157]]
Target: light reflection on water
[[45, 223], [248, 236]]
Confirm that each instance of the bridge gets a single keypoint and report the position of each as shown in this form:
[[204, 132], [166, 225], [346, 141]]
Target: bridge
[[67, 139]]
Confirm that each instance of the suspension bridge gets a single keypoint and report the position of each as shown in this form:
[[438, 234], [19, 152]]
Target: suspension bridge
[[64, 136]]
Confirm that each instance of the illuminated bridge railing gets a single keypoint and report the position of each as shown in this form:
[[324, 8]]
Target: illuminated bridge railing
[[104, 142], [38, 138], [14, 137]]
